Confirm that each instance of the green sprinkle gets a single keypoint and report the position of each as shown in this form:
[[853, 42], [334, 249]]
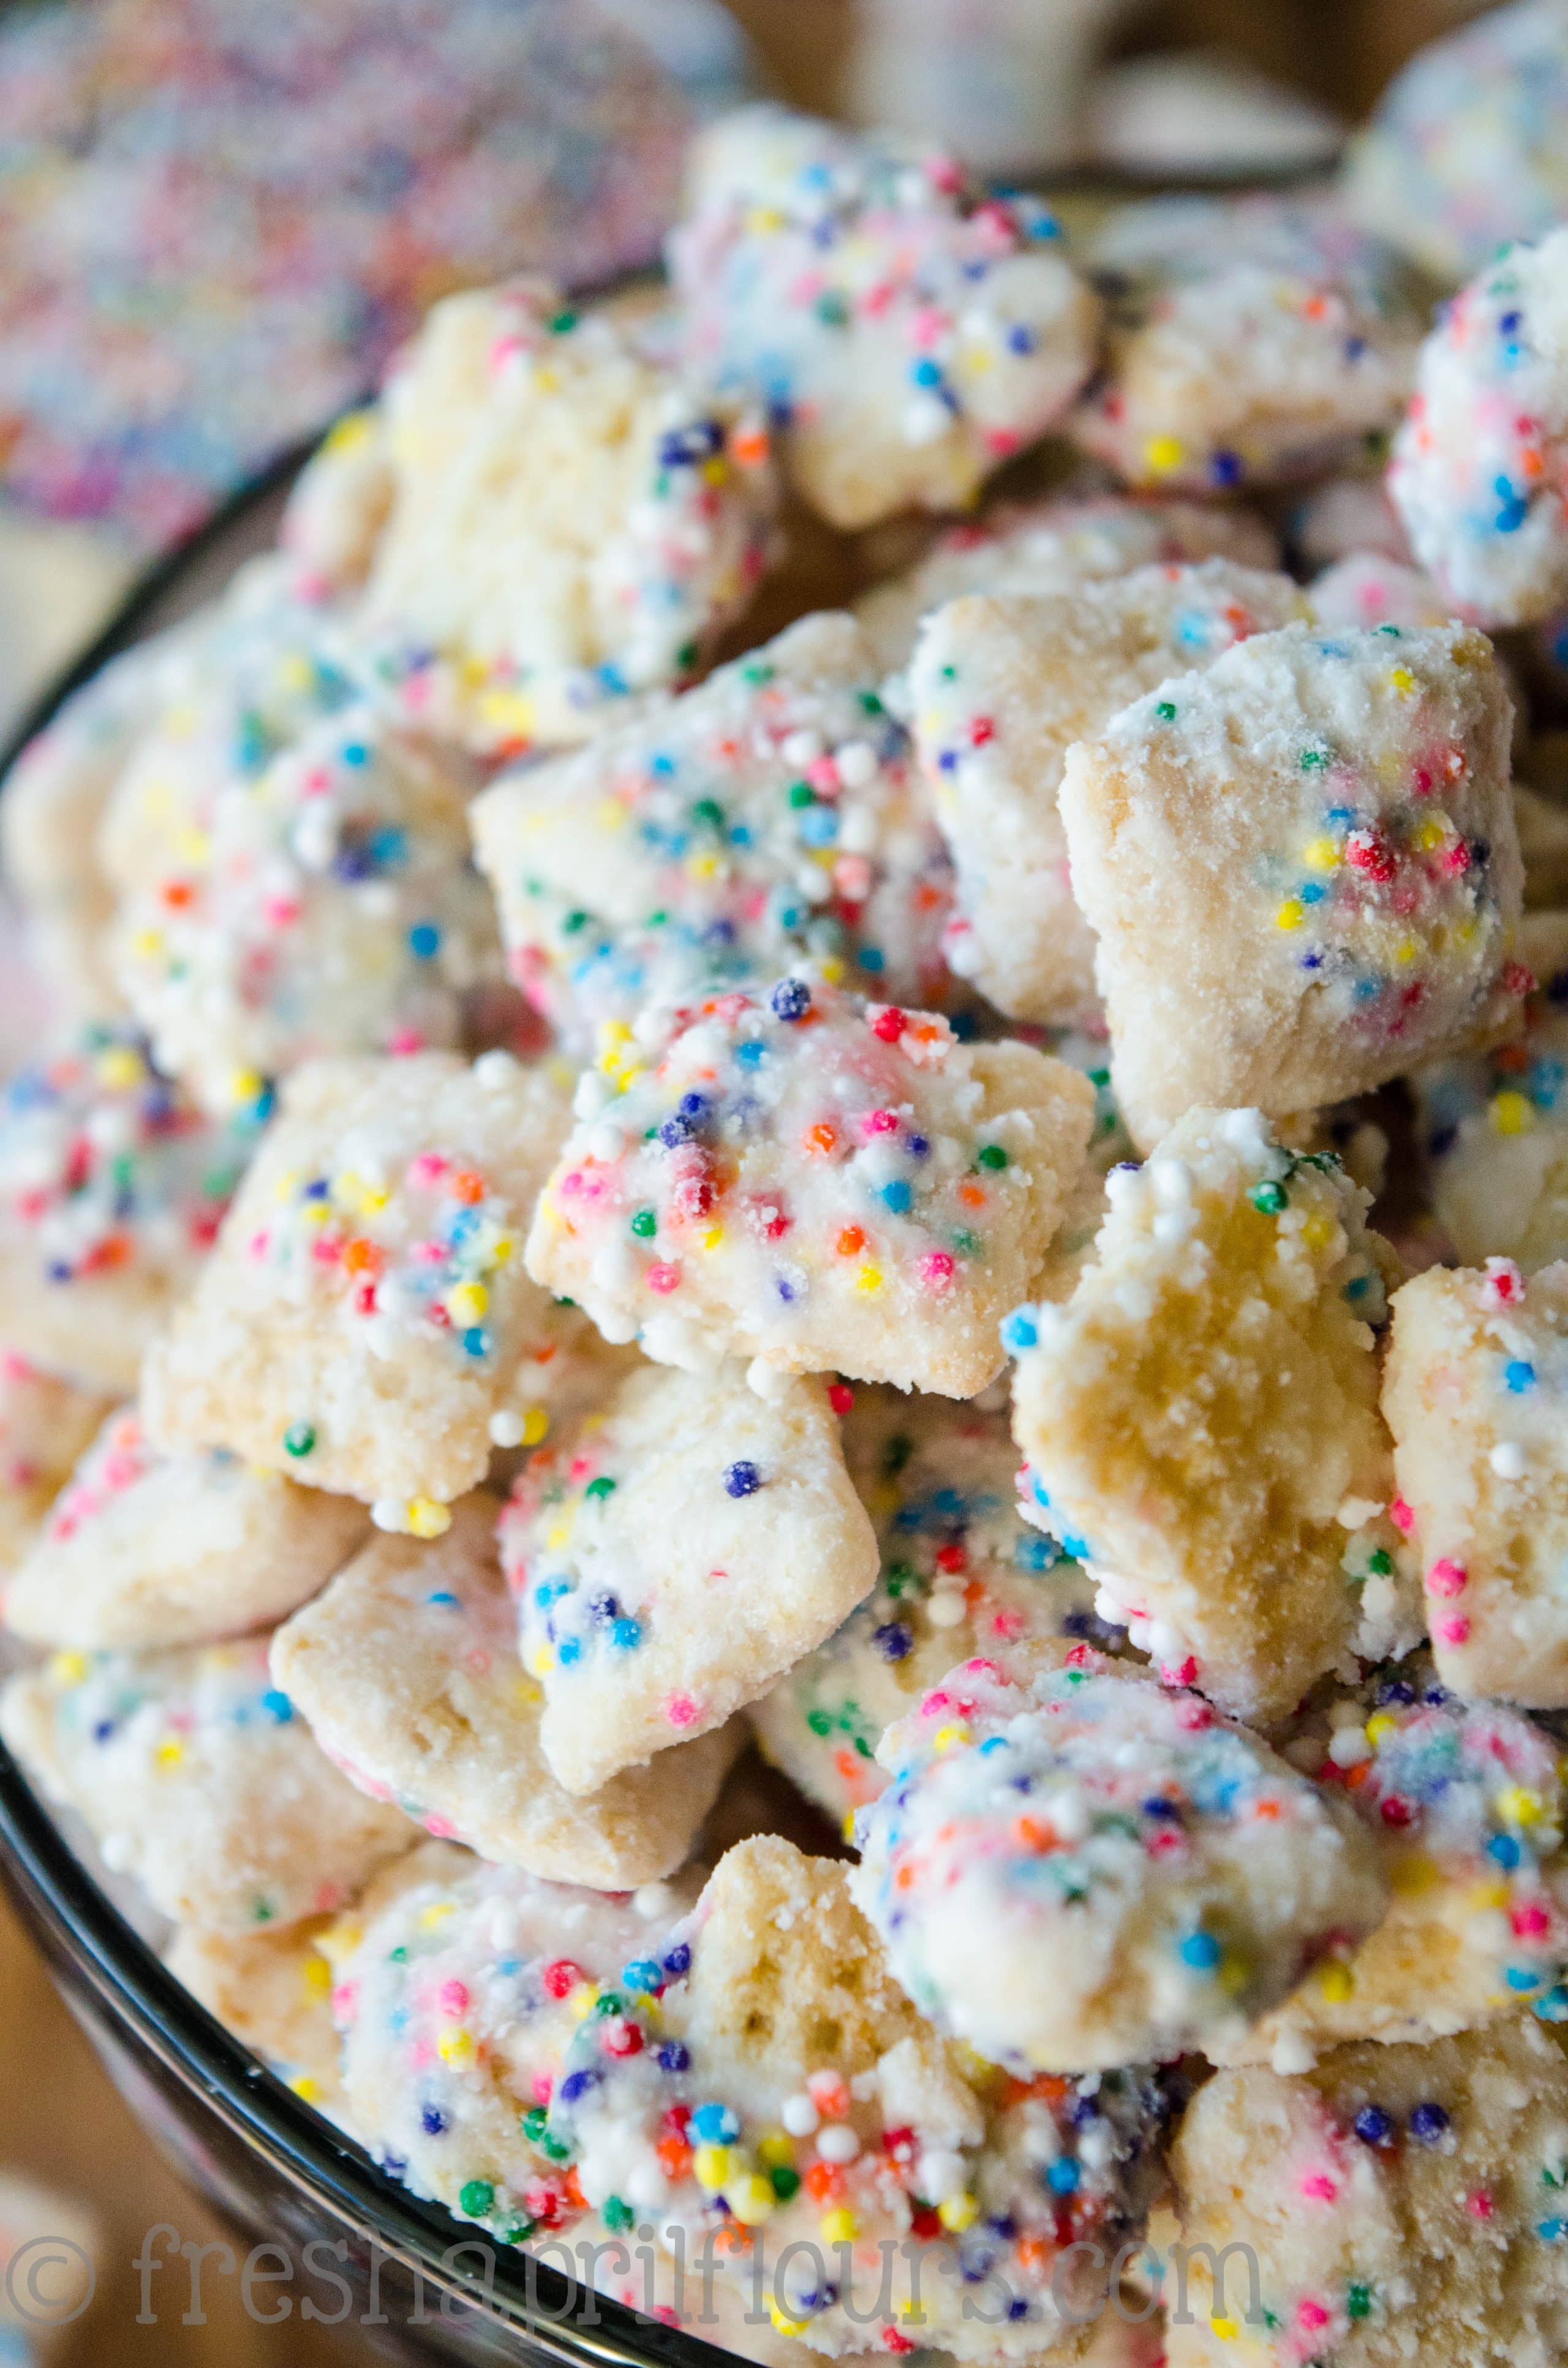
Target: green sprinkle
[[1379, 1563], [475, 2197], [800, 793], [900, 1578], [517, 2232], [600, 1488], [617, 2213], [562, 322], [644, 1225], [574, 922], [1165, 711], [611, 2003], [1312, 758], [869, 702], [757, 671], [950, 674], [535, 2122], [1357, 2301], [819, 1721], [784, 2181], [398, 1956], [831, 309], [555, 2150], [991, 1155], [1267, 1198], [965, 1243], [298, 1438], [709, 810]]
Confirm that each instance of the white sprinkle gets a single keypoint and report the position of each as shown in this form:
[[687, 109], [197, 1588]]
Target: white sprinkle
[[946, 1610], [838, 2142], [803, 747], [856, 763], [495, 1071], [800, 2116], [1508, 1460], [505, 1428]]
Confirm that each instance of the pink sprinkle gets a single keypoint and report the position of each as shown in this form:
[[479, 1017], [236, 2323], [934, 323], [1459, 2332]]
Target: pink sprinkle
[[1179, 1673], [880, 1121], [663, 1279], [1194, 1714], [404, 1041], [1312, 2316], [1446, 1577], [427, 1167], [442, 1827], [453, 1996], [1401, 1515], [1318, 2187], [1530, 1923], [544, 2087], [1455, 1631], [345, 2002], [822, 775], [257, 1244], [937, 1270], [1479, 2205], [681, 1711], [937, 1699]]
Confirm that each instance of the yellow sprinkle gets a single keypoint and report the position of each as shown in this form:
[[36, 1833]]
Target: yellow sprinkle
[[1412, 1875], [1318, 1231], [438, 1913], [1291, 914], [304, 2087], [455, 2047], [610, 814], [832, 970], [120, 1068], [501, 1249], [629, 1078], [782, 2320], [1402, 680], [1512, 1113], [870, 1278], [1406, 950], [147, 944], [547, 380], [847, 1826], [170, 1754], [1430, 835], [541, 1661], [1164, 453], [776, 2149], [426, 1519], [583, 2000], [536, 1424], [1519, 1807], [1380, 1727], [509, 711], [317, 1973], [712, 1237], [245, 1086], [701, 867], [1225, 2329], [751, 2199], [351, 431], [945, 1737], [1322, 856], [839, 2227], [1334, 1984], [959, 2211], [1482, 1897], [712, 2165], [467, 1302], [559, 1538], [715, 471], [68, 1668], [765, 218]]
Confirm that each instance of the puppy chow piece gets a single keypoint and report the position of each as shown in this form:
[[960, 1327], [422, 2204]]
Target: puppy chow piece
[[674, 1555], [1391, 2193], [790, 1175], [407, 1670], [572, 521], [196, 1775], [141, 1549], [112, 1187], [1251, 340], [365, 1316], [1301, 868], [769, 816], [1002, 687], [1072, 1868], [1201, 1417], [45, 1423], [906, 333]]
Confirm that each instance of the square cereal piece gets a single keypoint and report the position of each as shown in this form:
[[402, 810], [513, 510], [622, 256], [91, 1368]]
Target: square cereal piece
[[407, 1669], [1201, 1417], [1002, 687], [366, 1311], [1302, 870], [1052, 547], [961, 1572], [144, 1549], [1251, 341], [908, 331], [573, 520], [1359, 2210], [1464, 1802], [1476, 1395], [45, 1424], [457, 1989], [769, 816], [793, 1175], [112, 1187], [673, 1555], [198, 1777], [334, 909]]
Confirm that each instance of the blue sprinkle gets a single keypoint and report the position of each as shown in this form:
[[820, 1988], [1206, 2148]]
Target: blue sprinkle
[[1065, 2175], [1020, 1331], [716, 2125], [674, 2058], [1201, 1952], [423, 940], [897, 1196], [569, 1652], [644, 1974], [1021, 339], [476, 1340], [677, 1961], [892, 1640], [443, 1595], [925, 372], [277, 1706], [575, 2084], [1520, 1374], [742, 1480], [790, 999], [432, 2120], [1504, 1852], [626, 1635], [1373, 2126], [1519, 1977], [1428, 2123]]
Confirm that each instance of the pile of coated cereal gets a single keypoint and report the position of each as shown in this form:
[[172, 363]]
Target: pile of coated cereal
[[963, 1193]]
